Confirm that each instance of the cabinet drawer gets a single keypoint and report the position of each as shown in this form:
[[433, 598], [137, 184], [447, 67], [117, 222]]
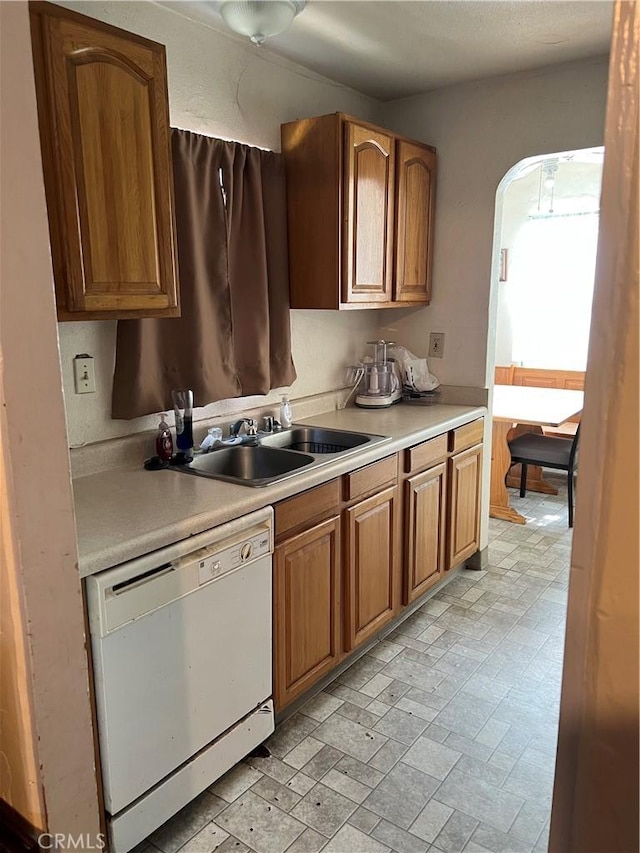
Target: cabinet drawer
[[425, 454], [371, 479], [306, 508], [466, 436]]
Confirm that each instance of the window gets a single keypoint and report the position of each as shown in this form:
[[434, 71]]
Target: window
[[550, 290]]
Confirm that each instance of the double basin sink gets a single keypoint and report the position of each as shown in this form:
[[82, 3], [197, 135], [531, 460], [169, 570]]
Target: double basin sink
[[279, 455]]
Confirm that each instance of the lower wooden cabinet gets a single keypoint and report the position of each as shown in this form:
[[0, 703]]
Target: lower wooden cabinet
[[307, 609], [465, 479], [371, 566], [425, 530], [371, 545]]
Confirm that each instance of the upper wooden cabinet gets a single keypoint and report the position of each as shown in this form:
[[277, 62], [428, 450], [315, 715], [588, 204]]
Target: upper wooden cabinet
[[368, 219], [360, 208], [416, 166], [104, 127]]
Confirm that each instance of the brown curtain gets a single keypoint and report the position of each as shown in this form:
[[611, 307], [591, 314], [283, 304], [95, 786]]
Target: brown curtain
[[233, 338]]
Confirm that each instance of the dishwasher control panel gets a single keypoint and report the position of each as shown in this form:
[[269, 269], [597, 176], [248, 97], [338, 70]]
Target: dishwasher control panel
[[123, 595], [219, 563]]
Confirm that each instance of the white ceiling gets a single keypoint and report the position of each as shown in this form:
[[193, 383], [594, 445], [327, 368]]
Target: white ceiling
[[393, 48]]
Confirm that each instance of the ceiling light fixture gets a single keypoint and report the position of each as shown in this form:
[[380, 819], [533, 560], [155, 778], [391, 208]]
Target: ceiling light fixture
[[260, 19], [549, 168]]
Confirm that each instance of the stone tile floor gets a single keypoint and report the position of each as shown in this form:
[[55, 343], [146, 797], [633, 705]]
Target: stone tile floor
[[441, 738]]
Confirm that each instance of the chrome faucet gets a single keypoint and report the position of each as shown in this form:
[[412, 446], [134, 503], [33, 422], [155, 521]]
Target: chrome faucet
[[251, 430]]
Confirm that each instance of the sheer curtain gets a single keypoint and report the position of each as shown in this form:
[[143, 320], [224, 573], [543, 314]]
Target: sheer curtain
[[233, 338], [551, 275]]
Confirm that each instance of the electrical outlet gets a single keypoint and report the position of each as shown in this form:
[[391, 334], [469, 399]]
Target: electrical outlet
[[84, 374], [436, 344]]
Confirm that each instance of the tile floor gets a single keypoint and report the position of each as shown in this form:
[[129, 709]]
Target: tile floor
[[442, 738]]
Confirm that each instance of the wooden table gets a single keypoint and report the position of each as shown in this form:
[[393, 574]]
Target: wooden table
[[517, 409]]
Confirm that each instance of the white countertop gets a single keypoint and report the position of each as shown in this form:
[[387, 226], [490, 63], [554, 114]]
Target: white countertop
[[124, 513]]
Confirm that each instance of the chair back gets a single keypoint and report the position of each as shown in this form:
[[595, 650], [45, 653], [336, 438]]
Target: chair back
[[573, 453]]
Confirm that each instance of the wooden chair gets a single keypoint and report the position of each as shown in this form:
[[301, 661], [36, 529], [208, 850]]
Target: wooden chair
[[504, 375], [548, 452]]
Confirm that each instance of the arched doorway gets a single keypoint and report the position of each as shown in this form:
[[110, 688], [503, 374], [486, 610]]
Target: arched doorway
[[545, 240]]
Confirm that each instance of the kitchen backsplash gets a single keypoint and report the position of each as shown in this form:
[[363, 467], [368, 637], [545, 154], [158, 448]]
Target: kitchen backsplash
[[323, 343]]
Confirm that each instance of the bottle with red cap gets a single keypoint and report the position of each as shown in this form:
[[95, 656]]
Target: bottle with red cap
[[164, 442]]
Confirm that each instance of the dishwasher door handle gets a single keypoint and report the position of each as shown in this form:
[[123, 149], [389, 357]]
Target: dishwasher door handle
[[146, 577], [136, 595]]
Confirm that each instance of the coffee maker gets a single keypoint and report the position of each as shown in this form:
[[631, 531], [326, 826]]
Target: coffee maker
[[380, 386]]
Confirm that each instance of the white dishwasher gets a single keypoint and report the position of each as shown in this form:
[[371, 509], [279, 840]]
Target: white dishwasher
[[181, 643]]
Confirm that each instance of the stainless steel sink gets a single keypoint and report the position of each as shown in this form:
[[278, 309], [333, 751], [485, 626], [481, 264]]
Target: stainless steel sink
[[250, 466], [279, 455], [317, 440]]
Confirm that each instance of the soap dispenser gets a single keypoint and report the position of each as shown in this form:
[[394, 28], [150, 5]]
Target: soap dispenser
[[286, 415], [164, 442]]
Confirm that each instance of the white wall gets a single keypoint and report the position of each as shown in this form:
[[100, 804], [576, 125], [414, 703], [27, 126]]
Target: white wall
[[577, 188], [482, 129], [223, 87]]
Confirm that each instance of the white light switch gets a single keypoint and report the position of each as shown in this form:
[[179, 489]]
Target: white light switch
[[84, 374]]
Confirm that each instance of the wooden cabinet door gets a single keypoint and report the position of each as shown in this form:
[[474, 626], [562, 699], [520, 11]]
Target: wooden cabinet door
[[415, 167], [465, 480], [371, 566], [425, 528], [368, 215], [104, 118], [307, 609]]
